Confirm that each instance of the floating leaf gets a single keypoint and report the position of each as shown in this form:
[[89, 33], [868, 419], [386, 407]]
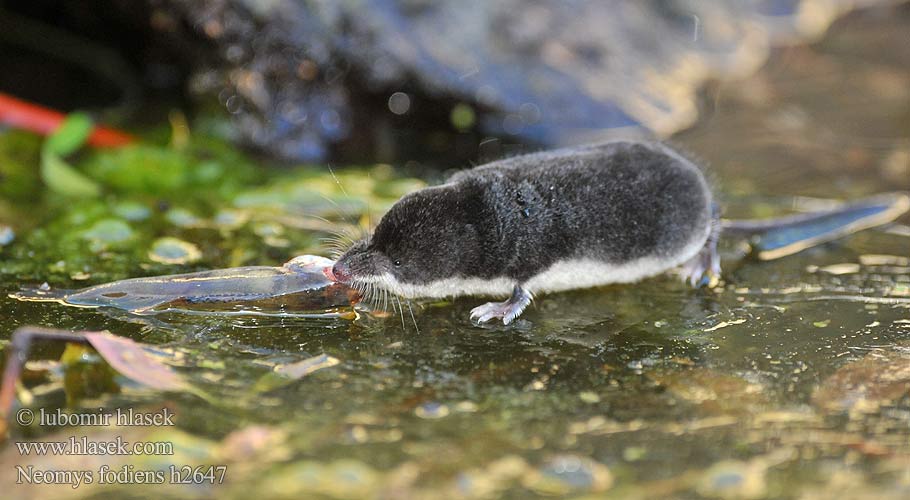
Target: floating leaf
[[131, 360], [285, 374], [303, 368]]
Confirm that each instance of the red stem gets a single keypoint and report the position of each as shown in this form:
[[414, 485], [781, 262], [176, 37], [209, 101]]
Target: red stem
[[20, 114]]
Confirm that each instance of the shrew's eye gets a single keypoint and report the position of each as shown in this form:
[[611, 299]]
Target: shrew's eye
[[397, 263]]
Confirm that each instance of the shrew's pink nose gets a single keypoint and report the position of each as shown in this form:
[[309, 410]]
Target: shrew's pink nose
[[341, 272]]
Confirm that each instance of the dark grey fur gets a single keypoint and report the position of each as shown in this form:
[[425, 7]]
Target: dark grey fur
[[513, 218], [606, 213]]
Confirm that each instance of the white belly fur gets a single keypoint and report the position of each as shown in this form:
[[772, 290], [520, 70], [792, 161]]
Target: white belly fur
[[561, 276], [572, 274]]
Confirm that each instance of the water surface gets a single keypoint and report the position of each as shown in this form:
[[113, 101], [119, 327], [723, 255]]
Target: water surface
[[789, 380]]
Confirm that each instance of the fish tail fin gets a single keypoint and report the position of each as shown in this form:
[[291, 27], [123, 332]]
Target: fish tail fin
[[779, 237], [41, 293]]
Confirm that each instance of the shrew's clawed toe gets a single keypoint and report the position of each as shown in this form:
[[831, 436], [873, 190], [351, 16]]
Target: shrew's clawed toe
[[704, 268], [507, 311]]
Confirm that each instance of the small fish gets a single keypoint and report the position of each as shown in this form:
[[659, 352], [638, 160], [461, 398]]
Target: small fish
[[300, 282]]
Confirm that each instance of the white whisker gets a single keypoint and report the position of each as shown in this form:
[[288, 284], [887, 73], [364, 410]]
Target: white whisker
[[401, 311], [412, 317]]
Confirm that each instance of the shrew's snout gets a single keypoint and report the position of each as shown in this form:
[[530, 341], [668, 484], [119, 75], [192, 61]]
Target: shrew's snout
[[341, 272]]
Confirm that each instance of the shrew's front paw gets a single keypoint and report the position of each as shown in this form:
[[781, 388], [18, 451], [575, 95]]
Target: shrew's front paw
[[507, 311], [494, 310]]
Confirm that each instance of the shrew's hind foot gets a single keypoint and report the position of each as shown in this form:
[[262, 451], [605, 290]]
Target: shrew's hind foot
[[507, 311], [704, 269]]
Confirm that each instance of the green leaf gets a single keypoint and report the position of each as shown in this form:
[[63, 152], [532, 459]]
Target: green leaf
[[62, 178], [56, 173], [70, 135], [282, 375]]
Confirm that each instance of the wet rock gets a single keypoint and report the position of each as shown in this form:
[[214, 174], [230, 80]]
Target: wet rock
[[493, 478], [865, 385], [340, 479], [182, 218], [847, 483], [432, 410], [296, 76], [170, 250], [734, 479], [107, 232], [567, 474], [132, 211], [712, 392], [257, 442], [6, 235], [231, 219]]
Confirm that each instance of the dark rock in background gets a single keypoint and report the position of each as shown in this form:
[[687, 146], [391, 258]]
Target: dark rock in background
[[450, 80]]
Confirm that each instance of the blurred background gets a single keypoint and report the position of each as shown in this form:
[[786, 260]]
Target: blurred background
[[379, 80]]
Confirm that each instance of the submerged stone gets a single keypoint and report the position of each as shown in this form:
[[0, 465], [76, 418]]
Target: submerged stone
[[231, 219], [343, 478], [867, 384], [432, 409], [182, 217], [132, 211], [6, 235], [493, 478], [733, 479], [170, 250], [566, 474], [109, 231]]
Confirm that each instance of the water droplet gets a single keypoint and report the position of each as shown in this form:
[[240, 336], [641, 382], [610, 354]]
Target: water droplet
[[399, 103], [330, 120], [512, 124], [233, 104], [529, 112]]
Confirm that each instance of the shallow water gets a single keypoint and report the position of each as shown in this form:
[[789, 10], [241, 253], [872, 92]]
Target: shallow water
[[789, 380]]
